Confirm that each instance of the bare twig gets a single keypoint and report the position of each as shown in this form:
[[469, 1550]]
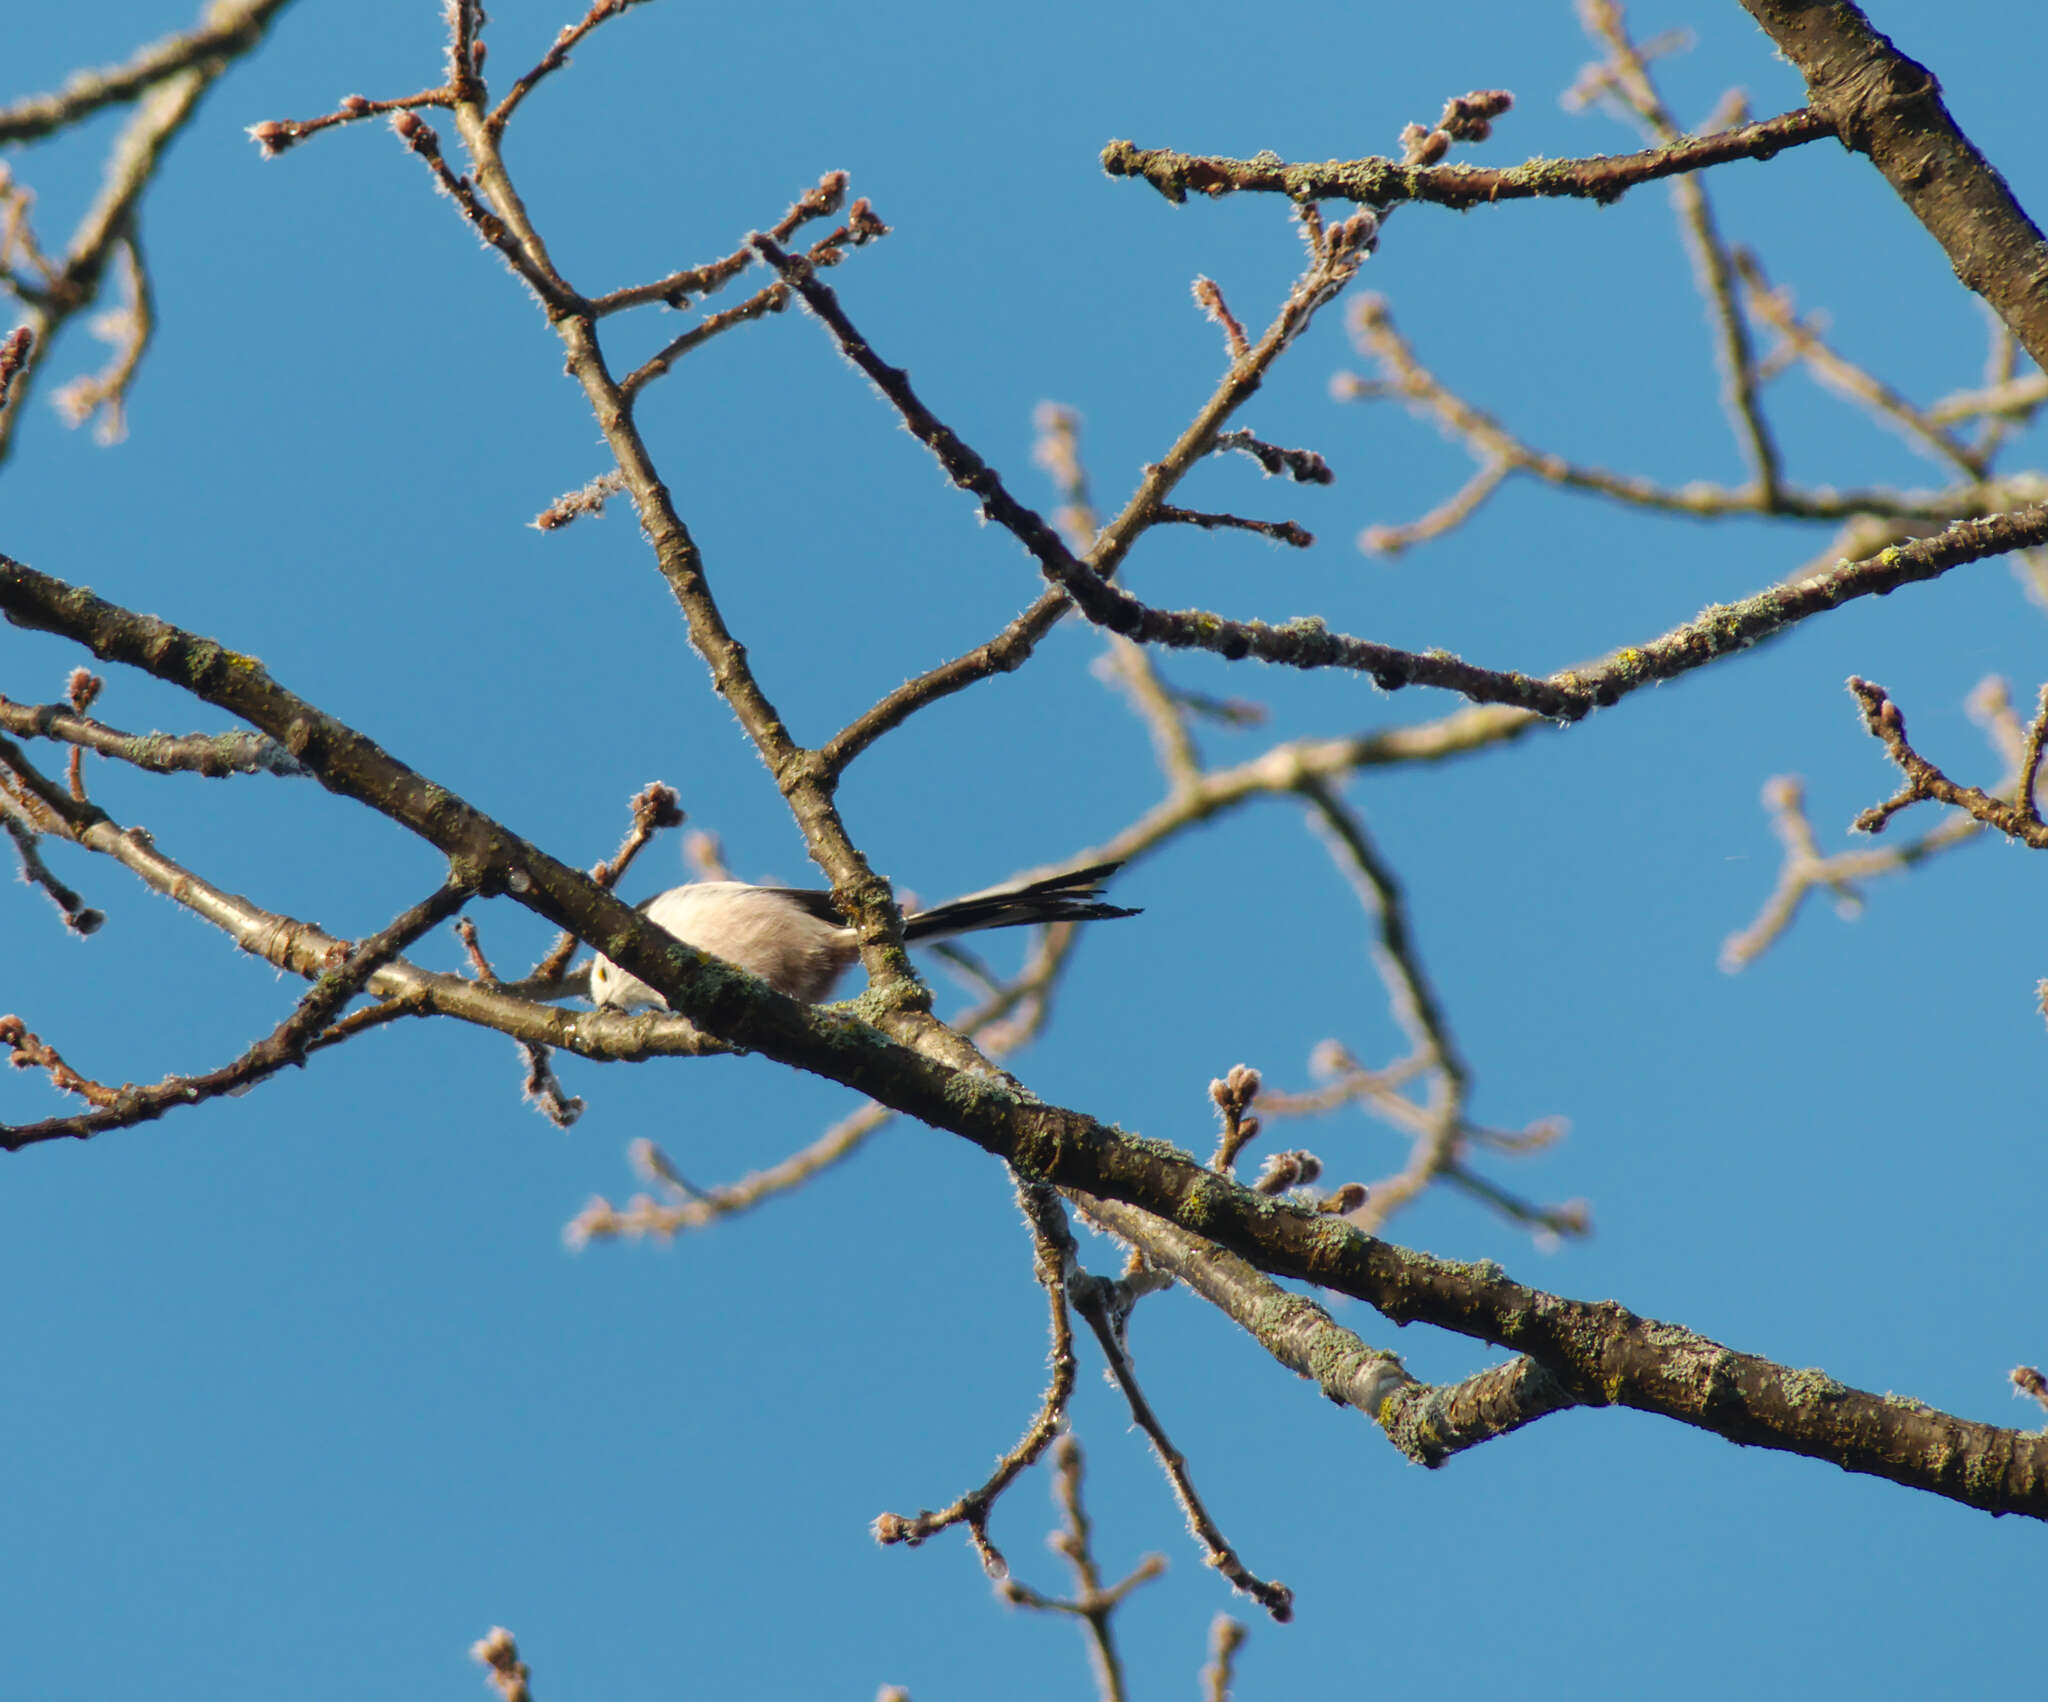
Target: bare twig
[[555, 58], [2017, 818], [1226, 1637], [1204, 435], [287, 1044], [79, 917], [1233, 1095], [166, 83], [1805, 343], [1093, 1602], [508, 1673], [228, 33], [1628, 75], [1095, 1300], [1054, 1246], [1499, 453], [1280, 531], [655, 806]]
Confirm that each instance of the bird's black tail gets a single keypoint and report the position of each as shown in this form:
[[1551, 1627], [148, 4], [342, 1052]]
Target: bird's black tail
[[1071, 897]]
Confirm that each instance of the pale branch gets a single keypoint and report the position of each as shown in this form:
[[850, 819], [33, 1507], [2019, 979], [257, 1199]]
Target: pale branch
[[2002, 399], [167, 85], [14, 352], [229, 32], [643, 1215], [1226, 1637], [509, 1675], [1053, 1244], [235, 752], [1160, 707], [1093, 1603], [1888, 108], [1630, 78], [1806, 870], [1379, 183], [1499, 453], [129, 329], [1294, 1329], [1842, 375]]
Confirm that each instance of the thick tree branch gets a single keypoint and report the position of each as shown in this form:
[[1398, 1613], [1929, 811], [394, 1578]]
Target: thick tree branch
[[1599, 1352], [1889, 109]]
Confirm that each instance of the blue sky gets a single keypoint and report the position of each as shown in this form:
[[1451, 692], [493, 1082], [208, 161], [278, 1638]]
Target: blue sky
[[304, 1390]]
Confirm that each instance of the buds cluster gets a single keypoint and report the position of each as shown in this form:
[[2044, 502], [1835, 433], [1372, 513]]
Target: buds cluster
[[1466, 118]]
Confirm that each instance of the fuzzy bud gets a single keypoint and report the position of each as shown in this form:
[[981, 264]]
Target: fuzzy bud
[[81, 688], [273, 137]]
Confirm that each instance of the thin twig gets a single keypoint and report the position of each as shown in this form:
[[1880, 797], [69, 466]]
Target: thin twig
[[230, 32], [1054, 1254], [554, 59], [2017, 818], [1629, 77], [287, 1044], [1092, 1299], [1345, 250], [1226, 1637], [1093, 1602]]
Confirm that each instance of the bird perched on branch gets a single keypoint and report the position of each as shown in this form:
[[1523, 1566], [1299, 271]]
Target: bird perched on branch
[[797, 941]]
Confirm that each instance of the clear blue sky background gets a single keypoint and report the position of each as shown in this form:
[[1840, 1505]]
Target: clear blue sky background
[[303, 1392]]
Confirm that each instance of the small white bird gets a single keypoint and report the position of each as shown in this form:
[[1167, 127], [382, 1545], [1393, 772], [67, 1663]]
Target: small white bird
[[797, 941]]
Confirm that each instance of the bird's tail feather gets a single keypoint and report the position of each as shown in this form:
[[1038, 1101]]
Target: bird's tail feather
[[1075, 896]]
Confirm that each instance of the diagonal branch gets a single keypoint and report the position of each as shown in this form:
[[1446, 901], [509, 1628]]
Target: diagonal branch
[[286, 1044], [1718, 631], [1600, 1353], [1888, 108], [229, 32]]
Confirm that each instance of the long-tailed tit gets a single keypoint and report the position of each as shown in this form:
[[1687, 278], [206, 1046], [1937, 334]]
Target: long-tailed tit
[[799, 943]]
